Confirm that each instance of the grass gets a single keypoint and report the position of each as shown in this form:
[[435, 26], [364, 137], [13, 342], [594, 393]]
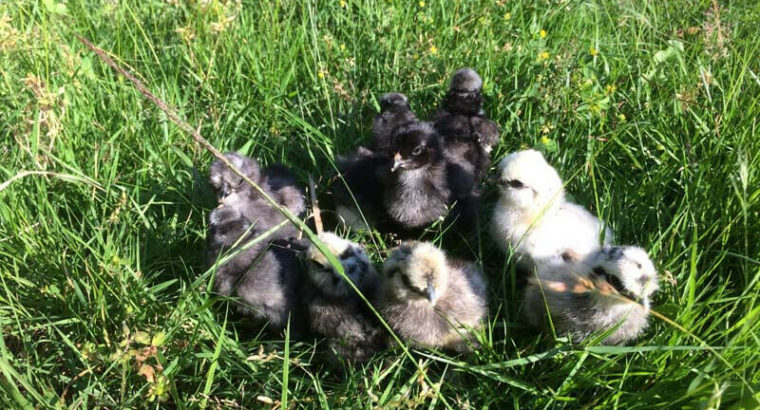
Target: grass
[[648, 109]]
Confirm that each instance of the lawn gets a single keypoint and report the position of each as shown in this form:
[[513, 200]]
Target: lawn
[[648, 109]]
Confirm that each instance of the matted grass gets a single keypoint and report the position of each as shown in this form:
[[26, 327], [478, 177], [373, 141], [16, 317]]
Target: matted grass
[[648, 108]]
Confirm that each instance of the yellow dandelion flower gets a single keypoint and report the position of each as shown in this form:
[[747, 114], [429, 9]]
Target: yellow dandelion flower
[[507, 16], [621, 117], [543, 56], [433, 50], [343, 4], [610, 88], [422, 4], [545, 140], [542, 33], [342, 47], [594, 52], [321, 74]]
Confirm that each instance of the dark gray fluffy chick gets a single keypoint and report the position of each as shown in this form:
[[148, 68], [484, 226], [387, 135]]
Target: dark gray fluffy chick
[[264, 277], [335, 311], [232, 191], [468, 136], [394, 112], [269, 289]]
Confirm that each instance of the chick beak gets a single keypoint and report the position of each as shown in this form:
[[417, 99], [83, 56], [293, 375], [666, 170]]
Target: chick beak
[[431, 292], [645, 302], [396, 162], [225, 191]]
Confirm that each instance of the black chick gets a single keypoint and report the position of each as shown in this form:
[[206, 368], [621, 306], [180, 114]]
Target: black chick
[[468, 136], [265, 276], [404, 188], [416, 191], [358, 192], [394, 112]]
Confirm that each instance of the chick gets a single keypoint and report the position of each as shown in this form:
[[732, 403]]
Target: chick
[[394, 112], [234, 192], [430, 300], [468, 136], [265, 276], [360, 184], [404, 188], [596, 294], [533, 218], [269, 289], [335, 310], [417, 190]]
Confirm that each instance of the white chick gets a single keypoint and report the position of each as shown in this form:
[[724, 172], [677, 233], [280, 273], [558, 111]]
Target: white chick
[[533, 218]]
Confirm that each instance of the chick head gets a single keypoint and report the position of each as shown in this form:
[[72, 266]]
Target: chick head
[[227, 183], [391, 100], [628, 270], [466, 80], [414, 146], [526, 181], [417, 271], [352, 257]]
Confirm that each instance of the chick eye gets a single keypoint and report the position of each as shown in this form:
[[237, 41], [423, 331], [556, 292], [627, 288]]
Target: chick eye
[[514, 183], [237, 182], [418, 151]]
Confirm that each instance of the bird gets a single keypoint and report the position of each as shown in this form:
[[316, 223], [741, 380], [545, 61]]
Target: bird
[[335, 310], [431, 300], [402, 189], [597, 294], [467, 135], [417, 190], [264, 275], [269, 289], [358, 191], [533, 218], [276, 181], [394, 112]]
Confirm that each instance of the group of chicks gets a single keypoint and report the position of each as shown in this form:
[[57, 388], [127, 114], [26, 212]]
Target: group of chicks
[[414, 174], [429, 299], [417, 172]]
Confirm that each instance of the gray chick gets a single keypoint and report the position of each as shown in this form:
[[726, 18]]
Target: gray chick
[[595, 294], [334, 310], [468, 136], [431, 301], [232, 191], [265, 276]]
